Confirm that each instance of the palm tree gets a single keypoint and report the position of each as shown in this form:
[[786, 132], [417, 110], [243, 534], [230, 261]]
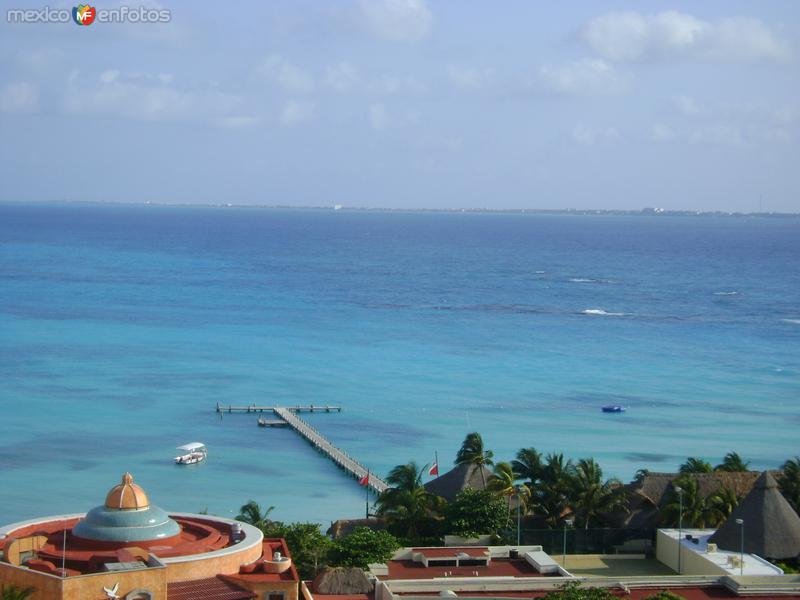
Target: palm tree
[[528, 465], [696, 465], [696, 512], [720, 505], [554, 492], [472, 452], [501, 482], [789, 482], [732, 463], [592, 496], [12, 592], [251, 513], [407, 505]]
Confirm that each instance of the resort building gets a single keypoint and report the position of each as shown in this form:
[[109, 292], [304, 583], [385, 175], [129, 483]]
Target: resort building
[[128, 548], [514, 572]]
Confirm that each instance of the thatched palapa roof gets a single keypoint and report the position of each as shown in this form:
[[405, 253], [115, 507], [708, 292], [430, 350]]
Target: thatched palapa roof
[[654, 486], [459, 478], [341, 581], [344, 527], [771, 527], [649, 494]]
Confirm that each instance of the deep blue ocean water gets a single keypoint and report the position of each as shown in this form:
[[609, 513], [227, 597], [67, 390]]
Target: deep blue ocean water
[[122, 326]]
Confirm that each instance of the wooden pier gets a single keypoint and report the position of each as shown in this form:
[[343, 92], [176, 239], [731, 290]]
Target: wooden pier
[[338, 456], [288, 415], [254, 408]]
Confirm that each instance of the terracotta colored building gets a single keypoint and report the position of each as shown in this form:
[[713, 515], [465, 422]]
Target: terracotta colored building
[[128, 548]]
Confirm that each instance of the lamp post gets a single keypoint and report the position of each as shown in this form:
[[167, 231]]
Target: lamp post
[[740, 523], [519, 502], [679, 491], [567, 523]]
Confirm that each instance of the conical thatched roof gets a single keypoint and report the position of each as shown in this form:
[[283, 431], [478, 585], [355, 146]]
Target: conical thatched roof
[[461, 477], [341, 581], [771, 527]]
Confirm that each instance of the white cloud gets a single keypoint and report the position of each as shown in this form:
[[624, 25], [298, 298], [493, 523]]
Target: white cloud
[[289, 78], [396, 20], [18, 97], [661, 133], [581, 77], [378, 116], [295, 112], [587, 136], [239, 122], [391, 84], [342, 77], [671, 35], [686, 105], [723, 135], [145, 97], [786, 115], [469, 78]]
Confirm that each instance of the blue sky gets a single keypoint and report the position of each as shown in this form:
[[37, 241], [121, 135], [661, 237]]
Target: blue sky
[[409, 103]]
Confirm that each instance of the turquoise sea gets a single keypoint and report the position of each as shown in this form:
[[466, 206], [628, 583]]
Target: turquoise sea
[[122, 326]]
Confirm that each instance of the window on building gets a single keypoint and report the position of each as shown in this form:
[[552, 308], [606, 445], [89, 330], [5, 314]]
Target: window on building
[[470, 562], [274, 596], [441, 563]]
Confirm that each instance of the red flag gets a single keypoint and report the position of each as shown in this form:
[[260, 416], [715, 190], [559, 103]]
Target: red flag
[[434, 470], [364, 480]]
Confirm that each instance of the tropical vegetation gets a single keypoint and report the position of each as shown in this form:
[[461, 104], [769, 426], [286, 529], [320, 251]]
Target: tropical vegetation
[[698, 510], [472, 452], [475, 512], [362, 547], [13, 592], [252, 514], [789, 482], [733, 463], [409, 509], [550, 488]]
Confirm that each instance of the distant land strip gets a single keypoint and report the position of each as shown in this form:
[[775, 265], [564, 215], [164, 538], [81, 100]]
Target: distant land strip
[[647, 212]]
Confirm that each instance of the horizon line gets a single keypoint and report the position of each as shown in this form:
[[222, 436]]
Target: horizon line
[[335, 207]]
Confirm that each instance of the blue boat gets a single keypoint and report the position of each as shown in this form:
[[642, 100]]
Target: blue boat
[[613, 408]]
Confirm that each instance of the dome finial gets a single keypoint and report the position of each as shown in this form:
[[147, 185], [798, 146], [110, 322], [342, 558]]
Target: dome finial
[[127, 495]]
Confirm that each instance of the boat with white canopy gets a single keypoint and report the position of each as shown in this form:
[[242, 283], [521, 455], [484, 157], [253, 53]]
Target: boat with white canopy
[[192, 453]]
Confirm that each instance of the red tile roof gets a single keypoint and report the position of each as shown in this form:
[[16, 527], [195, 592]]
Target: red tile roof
[[499, 567], [212, 588], [254, 572], [473, 551], [690, 593]]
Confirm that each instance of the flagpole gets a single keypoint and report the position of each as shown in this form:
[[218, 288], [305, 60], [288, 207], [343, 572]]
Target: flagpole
[[436, 462], [366, 488], [64, 553]]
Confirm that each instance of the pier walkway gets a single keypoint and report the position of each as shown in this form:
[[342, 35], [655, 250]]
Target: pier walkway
[[338, 456], [288, 416], [253, 408]]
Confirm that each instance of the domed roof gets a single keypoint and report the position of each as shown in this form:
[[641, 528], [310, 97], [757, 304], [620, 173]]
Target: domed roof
[[127, 495], [127, 516]]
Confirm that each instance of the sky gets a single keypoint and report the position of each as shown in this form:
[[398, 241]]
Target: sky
[[408, 104]]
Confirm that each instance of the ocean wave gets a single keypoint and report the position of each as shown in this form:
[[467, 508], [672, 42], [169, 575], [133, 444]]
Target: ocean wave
[[588, 280], [540, 272], [603, 313], [794, 321], [731, 293]]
